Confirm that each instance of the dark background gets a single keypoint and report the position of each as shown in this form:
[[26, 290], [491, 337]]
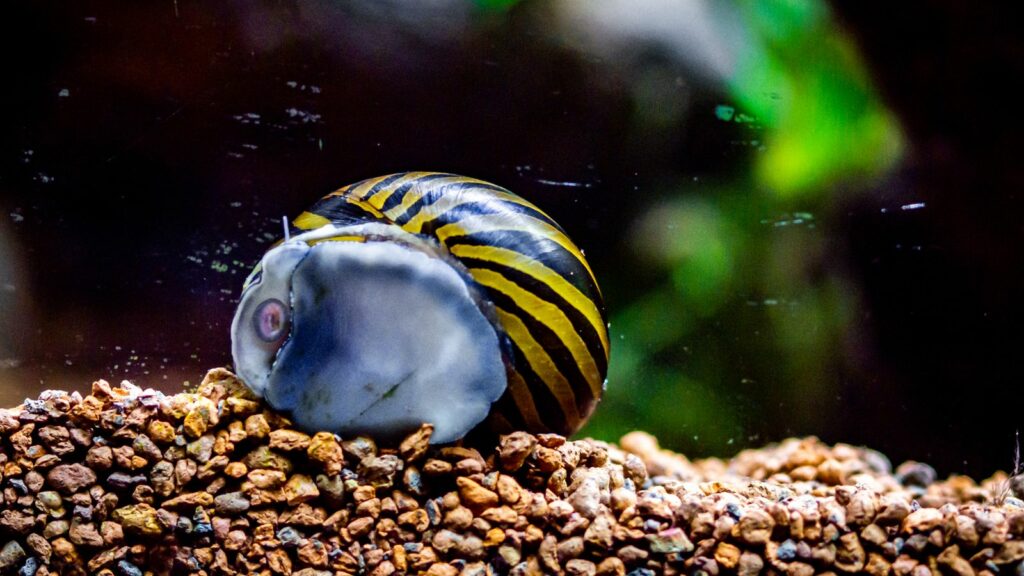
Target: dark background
[[149, 151]]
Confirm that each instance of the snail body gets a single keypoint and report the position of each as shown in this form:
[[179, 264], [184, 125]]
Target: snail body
[[424, 297]]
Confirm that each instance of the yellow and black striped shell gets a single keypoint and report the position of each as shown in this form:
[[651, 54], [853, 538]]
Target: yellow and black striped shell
[[424, 297]]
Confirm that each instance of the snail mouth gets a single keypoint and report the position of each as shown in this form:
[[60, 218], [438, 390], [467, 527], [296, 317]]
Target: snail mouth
[[384, 339], [253, 355]]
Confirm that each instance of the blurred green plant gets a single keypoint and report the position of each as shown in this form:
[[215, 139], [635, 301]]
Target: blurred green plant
[[744, 312], [802, 77], [495, 4]]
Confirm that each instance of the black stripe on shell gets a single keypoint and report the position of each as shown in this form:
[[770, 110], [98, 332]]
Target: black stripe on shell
[[398, 195], [556, 350], [543, 250], [381, 185], [544, 400], [580, 324], [339, 210], [479, 195]]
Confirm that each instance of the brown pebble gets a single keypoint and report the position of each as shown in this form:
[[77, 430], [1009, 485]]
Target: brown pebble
[[138, 519], [474, 495], [569, 549], [300, 488], [547, 460], [236, 470], [635, 469], [877, 565], [360, 447], [371, 508], [632, 554], [951, 560], [750, 564], [548, 554], [202, 415], [580, 567], [257, 427], [831, 472], [289, 440], [611, 566], [55, 529], [514, 449], [435, 467], [894, 510], [416, 519], [508, 489], [799, 569], [70, 478], [279, 562], [500, 515], [325, 450], [34, 481], [160, 431], [727, 555], [468, 467], [874, 534], [265, 458], [360, 526], [266, 479], [40, 546], [922, 520], [385, 568], [862, 508], [849, 556], [65, 551], [189, 501], [313, 553], [755, 527], [363, 493], [494, 537], [16, 522], [111, 533], [442, 569], [415, 445], [145, 447], [84, 534]]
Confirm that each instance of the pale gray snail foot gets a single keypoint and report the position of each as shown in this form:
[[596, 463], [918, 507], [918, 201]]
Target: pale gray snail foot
[[382, 338]]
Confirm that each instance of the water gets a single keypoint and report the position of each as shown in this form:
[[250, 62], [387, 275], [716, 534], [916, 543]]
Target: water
[[774, 263]]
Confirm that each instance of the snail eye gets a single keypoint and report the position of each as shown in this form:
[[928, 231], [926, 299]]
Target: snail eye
[[271, 320]]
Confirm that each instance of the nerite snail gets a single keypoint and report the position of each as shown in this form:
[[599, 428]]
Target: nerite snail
[[424, 297]]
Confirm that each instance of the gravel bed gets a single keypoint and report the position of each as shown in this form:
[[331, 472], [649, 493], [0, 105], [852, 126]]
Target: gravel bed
[[131, 482]]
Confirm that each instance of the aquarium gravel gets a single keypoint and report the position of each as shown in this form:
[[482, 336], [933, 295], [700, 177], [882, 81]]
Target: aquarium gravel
[[130, 481]]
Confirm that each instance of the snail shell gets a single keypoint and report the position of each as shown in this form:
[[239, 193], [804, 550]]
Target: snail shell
[[424, 297]]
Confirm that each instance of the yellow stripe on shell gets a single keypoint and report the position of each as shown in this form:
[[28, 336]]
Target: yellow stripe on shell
[[523, 400], [447, 202], [365, 205], [381, 196], [542, 364], [543, 274], [339, 238], [362, 189], [415, 194], [500, 222], [551, 316], [309, 221]]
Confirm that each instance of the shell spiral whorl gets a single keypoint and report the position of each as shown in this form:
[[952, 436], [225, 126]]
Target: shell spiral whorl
[[359, 321]]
